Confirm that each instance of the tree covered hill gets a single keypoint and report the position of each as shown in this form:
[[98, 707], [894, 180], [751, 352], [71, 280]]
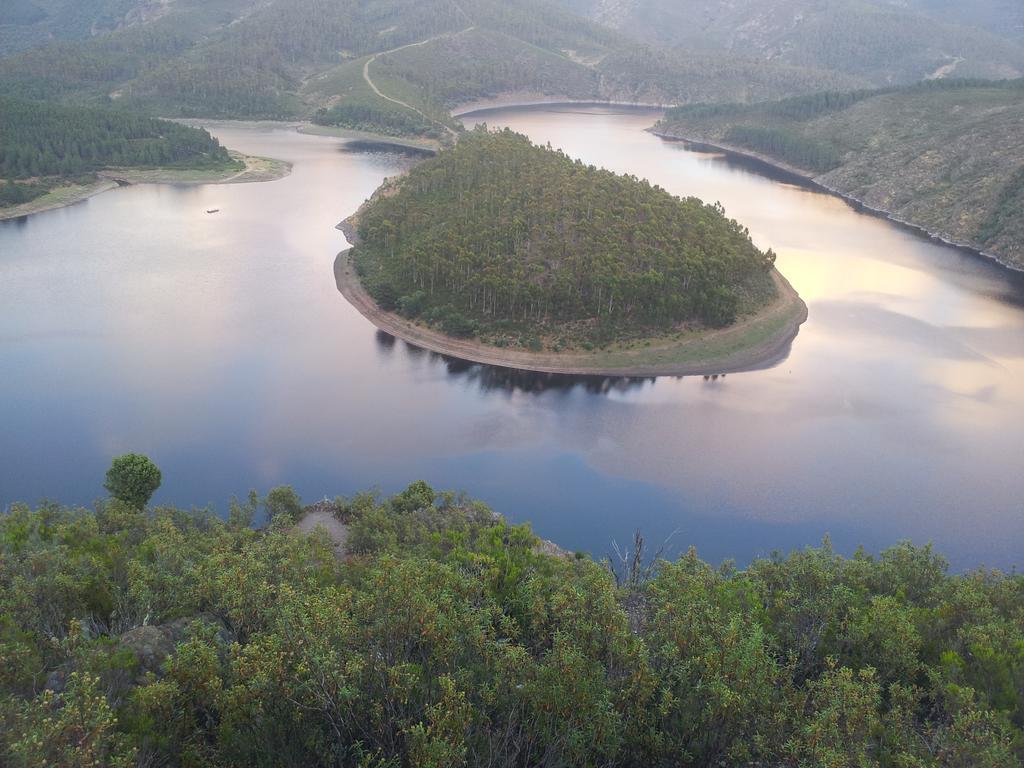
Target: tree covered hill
[[945, 155], [883, 41], [39, 139], [496, 235], [298, 58], [443, 636], [43, 146]]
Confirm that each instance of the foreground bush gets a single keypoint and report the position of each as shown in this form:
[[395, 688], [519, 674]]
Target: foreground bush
[[447, 637]]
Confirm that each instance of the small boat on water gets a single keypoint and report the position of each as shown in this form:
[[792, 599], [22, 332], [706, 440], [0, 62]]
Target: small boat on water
[[214, 210]]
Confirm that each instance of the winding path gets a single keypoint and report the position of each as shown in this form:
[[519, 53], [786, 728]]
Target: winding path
[[381, 94]]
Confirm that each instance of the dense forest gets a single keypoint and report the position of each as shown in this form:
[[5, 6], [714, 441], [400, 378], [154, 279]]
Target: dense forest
[[294, 58], [304, 58], [372, 115], [26, 24], [498, 234], [947, 155], [786, 146], [445, 637], [12, 193], [39, 139]]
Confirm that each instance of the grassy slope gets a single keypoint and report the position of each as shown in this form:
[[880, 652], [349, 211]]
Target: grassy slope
[[949, 159]]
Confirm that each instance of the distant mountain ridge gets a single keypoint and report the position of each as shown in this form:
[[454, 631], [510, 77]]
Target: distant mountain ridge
[[884, 41], [397, 65], [1003, 17]]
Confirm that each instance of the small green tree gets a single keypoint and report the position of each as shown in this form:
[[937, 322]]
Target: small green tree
[[417, 496], [133, 478], [283, 503]]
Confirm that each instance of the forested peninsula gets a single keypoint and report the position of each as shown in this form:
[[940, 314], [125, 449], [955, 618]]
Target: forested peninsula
[[500, 251], [421, 629], [52, 155], [946, 156]]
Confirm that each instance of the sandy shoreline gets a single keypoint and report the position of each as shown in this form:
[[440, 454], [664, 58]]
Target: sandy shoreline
[[513, 101], [60, 197], [753, 343], [809, 180], [257, 169]]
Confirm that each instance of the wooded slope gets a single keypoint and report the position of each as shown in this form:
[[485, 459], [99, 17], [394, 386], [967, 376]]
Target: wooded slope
[[883, 41], [294, 58], [498, 232], [43, 146], [946, 155], [38, 139]]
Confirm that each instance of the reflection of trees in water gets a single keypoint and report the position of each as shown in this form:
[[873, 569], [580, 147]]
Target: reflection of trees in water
[[386, 341], [736, 161], [490, 377], [369, 147]]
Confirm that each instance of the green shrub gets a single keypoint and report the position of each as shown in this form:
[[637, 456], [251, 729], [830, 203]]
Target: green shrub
[[133, 479], [413, 304], [283, 504]]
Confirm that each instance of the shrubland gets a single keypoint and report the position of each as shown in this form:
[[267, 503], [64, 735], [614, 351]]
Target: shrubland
[[445, 636]]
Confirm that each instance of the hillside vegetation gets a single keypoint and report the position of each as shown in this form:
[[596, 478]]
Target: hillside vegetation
[[1003, 17], [44, 139], [648, 74], [506, 239], [947, 156], [29, 23], [45, 145], [884, 41], [445, 637], [305, 58]]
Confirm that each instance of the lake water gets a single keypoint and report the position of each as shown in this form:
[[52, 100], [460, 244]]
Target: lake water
[[220, 346]]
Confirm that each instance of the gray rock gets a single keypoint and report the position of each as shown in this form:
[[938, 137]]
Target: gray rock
[[151, 646]]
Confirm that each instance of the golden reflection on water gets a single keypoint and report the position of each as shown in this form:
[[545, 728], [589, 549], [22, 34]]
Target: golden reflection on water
[[909, 361]]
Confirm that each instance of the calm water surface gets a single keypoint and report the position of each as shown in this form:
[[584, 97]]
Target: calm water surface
[[219, 345]]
